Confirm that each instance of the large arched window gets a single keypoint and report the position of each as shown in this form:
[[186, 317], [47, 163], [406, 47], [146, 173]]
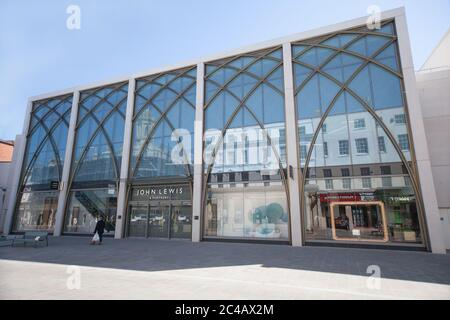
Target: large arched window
[[43, 163], [355, 156], [163, 125], [96, 159], [244, 151]]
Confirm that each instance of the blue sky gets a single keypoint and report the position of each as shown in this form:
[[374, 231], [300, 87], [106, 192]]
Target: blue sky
[[38, 54]]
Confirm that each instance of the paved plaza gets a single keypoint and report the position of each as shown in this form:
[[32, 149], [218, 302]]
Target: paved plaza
[[70, 268]]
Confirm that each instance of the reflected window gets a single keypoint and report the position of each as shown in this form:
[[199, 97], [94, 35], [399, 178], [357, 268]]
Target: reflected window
[[400, 118], [325, 149], [381, 144], [343, 148], [403, 142], [366, 183], [359, 124], [365, 171], [362, 145]]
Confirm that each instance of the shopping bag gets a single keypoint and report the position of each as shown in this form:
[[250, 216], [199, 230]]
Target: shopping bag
[[95, 238]]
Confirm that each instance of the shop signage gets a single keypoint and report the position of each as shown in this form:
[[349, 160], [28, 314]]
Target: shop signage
[[161, 192], [347, 197], [340, 197]]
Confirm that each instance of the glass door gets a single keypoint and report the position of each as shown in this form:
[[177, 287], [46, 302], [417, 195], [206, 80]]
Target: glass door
[[158, 222], [138, 221], [181, 225]]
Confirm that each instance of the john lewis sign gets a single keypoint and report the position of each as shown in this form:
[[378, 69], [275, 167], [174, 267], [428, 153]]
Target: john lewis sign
[[161, 192]]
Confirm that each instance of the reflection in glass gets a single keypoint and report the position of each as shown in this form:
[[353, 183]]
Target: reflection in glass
[[181, 225], [42, 166], [356, 186], [97, 159], [245, 147], [85, 208], [159, 222], [37, 211], [163, 125], [138, 221]]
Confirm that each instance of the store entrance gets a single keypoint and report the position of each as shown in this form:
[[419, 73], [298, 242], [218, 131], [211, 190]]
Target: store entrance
[[160, 212], [160, 221]]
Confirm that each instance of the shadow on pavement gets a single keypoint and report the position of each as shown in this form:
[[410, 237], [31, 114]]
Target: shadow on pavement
[[160, 255]]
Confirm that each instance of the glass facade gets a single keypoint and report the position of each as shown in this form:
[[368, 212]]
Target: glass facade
[[352, 80], [163, 149], [245, 150], [96, 158], [42, 166], [357, 179], [163, 125]]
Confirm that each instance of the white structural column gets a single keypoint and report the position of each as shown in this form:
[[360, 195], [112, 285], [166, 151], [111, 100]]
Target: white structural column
[[64, 186], [432, 216], [18, 156], [198, 157], [292, 149], [124, 169]]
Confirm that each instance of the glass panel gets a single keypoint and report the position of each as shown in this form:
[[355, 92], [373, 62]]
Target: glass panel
[[44, 168], [343, 66], [376, 203], [159, 222], [359, 221], [389, 57], [86, 206], [316, 56], [368, 45], [97, 164], [251, 152], [98, 158], [379, 88], [181, 222], [249, 212], [138, 222], [36, 211]]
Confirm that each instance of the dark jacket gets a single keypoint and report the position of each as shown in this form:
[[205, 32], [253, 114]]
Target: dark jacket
[[100, 227]]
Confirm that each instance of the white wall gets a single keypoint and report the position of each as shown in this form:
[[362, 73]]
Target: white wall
[[434, 91]]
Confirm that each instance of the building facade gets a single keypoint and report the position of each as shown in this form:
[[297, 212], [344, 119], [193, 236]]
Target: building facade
[[433, 81], [6, 152], [309, 140]]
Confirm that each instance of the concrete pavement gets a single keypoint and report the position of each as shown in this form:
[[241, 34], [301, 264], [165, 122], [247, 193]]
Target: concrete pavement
[[161, 269]]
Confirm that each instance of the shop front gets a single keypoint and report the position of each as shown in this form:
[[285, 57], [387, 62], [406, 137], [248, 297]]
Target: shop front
[[160, 211]]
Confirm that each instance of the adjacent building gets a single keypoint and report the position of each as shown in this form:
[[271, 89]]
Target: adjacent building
[[433, 84], [313, 139], [6, 153]]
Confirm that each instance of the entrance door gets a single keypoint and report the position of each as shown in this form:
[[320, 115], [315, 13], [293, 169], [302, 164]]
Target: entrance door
[[181, 225], [138, 221], [158, 222]]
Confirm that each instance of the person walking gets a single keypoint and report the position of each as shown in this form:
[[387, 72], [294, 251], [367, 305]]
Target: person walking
[[100, 229]]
